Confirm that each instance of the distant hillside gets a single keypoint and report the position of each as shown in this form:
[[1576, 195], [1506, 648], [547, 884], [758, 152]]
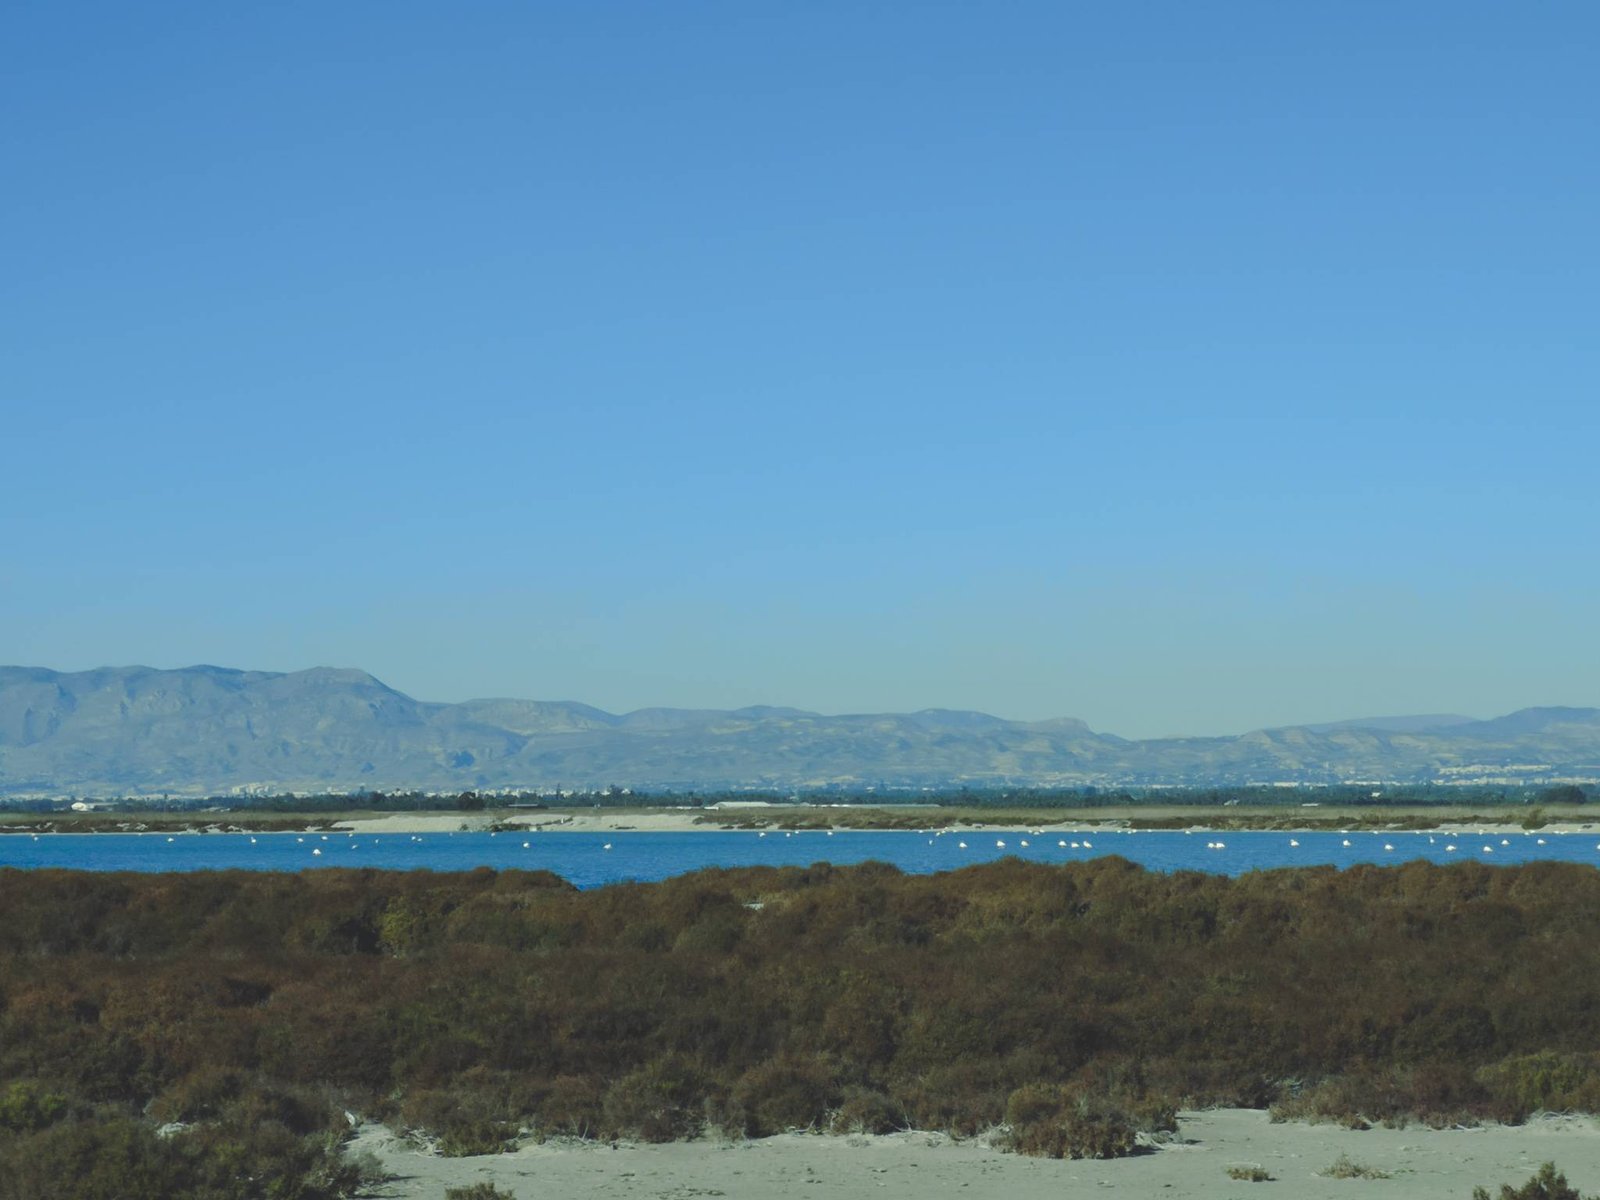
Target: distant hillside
[[200, 730]]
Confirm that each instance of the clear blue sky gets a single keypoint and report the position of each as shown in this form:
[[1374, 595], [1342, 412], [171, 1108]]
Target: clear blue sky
[[1182, 367]]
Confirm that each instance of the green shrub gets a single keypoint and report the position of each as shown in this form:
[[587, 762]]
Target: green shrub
[[1438, 1094], [962, 1097], [786, 1093], [302, 1110], [199, 1095], [658, 1102], [114, 1158], [469, 1138], [122, 1158], [1546, 1184], [717, 933], [465, 1121], [26, 1108], [1543, 1082], [1060, 1122]]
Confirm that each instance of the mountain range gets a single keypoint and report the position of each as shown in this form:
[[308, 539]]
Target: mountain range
[[127, 731]]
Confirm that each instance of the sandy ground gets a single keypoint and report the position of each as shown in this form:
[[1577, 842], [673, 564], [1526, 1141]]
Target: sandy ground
[[1421, 1164], [667, 821], [552, 822]]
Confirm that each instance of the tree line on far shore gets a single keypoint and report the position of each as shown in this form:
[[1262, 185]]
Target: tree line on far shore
[[1255, 796]]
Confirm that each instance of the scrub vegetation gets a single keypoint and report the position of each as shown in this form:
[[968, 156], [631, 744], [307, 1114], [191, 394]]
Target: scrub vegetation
[[1546, 1184], [1344, 1167], [201, 1026], [1254, 1173]]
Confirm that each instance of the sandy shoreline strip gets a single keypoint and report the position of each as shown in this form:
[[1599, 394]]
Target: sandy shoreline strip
[[558, 821], [684, 822], [1421, 1164]]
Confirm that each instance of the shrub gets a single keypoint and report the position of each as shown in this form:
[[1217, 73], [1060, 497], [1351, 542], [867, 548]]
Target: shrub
[[1546, 1081], [962, 1097], [199, 1095], [852, 996], [865, 1110], [1546, 1184], [657, 1102], [301, 1110], [468, 1139], [25, 1108], [573, 1106], [786, 1093], [1250, 1174], [1344, 1167], [478, 1191], [1566, 793], [120, 1158], [1438, 1094], [465, 1121], [115, 1158], [1059, 1122]]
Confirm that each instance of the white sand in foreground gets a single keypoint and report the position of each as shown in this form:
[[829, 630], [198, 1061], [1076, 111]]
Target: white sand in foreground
[[1422, 1164]]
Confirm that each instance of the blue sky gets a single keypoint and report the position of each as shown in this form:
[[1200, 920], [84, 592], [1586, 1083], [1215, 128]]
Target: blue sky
[[1185, 368]]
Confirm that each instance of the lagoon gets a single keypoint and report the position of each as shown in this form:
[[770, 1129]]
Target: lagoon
[[594, 859]]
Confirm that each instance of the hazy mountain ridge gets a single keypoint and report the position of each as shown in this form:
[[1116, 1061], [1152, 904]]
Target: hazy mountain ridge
[[138, 730]]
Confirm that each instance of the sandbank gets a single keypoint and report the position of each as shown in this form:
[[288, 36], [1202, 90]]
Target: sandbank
[[683, 821]]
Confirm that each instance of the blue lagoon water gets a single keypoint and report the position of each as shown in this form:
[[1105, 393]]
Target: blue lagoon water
[[586, 860]]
